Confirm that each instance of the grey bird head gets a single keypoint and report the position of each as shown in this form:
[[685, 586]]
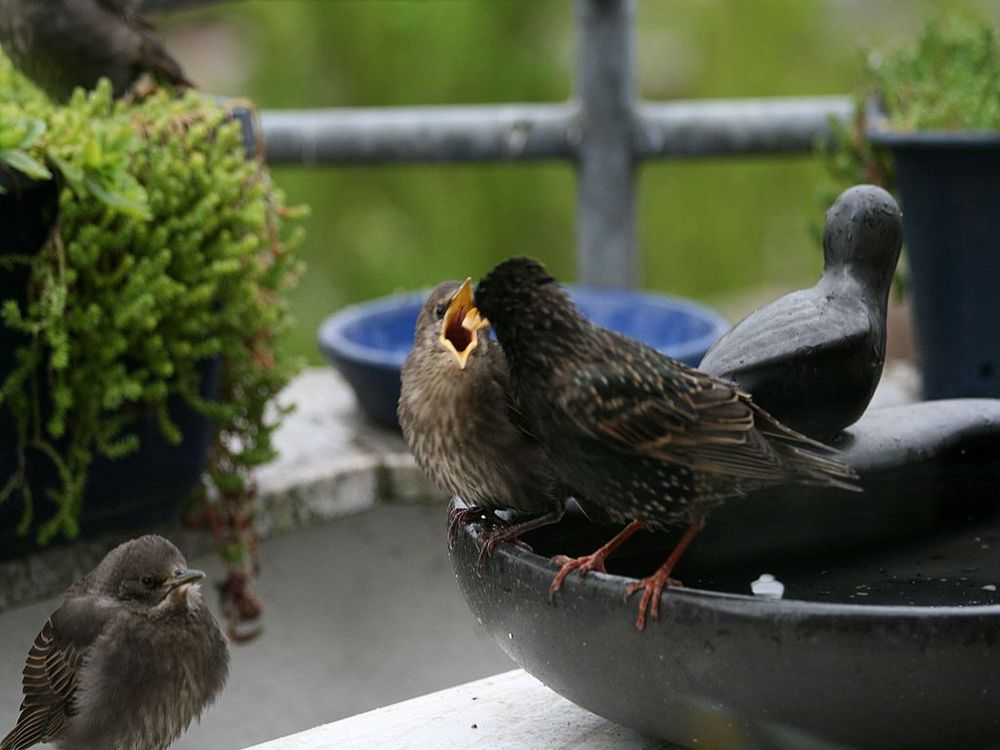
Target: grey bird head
[[448, 326], [62, 44], [864, 232], [143, 571]]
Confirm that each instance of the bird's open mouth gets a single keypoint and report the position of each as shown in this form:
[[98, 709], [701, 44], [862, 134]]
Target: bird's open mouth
[[462, 323]]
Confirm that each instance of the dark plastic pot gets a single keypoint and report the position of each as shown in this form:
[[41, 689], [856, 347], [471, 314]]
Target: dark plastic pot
[[948, 185], [143, 488]]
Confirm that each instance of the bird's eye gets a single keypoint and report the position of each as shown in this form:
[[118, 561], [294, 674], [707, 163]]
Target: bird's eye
[[149, 582], [440, 310]]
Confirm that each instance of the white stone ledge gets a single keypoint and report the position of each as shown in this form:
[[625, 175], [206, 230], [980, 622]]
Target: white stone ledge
[[512, 710]]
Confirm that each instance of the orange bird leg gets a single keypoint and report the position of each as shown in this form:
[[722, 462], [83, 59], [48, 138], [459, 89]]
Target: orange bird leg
[[593, 561], [652, 586]]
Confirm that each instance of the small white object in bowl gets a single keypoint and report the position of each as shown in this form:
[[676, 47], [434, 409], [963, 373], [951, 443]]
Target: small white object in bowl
[[768, 587]]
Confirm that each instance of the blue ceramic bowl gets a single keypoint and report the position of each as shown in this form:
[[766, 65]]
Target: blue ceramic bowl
[[368, 342]]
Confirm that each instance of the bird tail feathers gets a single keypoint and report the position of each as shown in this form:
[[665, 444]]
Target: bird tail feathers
[[812, 459]]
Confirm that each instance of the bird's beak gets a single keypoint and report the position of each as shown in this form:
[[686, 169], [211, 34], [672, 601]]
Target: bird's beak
[[462, 323], [183, 577]]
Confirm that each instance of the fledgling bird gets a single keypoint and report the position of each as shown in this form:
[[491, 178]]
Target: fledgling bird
[[643, 438], [127, 661], [812, 358], [62, 44], [461, 425]]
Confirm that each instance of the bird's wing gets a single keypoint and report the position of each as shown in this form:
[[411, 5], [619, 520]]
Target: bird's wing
[[770, 333], [52, 669], [642, 404]]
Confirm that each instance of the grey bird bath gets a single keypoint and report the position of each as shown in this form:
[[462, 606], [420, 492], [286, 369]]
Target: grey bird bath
[[888, 635]]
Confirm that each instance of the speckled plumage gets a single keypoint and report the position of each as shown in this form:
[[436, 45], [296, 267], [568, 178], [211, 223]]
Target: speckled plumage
[[128, 660], [461, 425], [61, 44], [640, 436]]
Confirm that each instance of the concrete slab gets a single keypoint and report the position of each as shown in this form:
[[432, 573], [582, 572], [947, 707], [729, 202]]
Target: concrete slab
[[513, 711]]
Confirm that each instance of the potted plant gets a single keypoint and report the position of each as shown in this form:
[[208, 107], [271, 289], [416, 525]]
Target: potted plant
[[930, 129], [140, 330]]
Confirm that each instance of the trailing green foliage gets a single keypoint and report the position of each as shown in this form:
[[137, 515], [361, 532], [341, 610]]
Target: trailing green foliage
[[171, 249], [948, 80]]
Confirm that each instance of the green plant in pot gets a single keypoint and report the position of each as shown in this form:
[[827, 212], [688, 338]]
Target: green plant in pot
[[145, 323], [929, 129]]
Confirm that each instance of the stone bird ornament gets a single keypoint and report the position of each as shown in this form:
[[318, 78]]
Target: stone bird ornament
[[812, 358], [127, 661]]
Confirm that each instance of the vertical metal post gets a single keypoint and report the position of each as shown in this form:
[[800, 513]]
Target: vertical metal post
[[605, 207]]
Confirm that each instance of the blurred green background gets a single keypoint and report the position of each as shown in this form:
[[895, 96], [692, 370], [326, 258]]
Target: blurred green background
[[731, 232]]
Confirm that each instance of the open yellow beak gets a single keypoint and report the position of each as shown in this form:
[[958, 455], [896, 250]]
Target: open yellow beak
[[462, 323]]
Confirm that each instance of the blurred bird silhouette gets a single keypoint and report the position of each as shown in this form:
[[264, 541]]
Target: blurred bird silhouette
[[642, 438], [813, 357], [459, 422], [127, 661], [62, 44]]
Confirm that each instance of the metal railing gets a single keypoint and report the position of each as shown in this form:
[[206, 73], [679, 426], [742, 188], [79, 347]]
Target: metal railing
[[605, 130]]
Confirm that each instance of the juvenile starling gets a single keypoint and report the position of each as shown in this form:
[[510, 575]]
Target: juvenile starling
[[813, 357], [62, 44], [127, 661], [460, 424], [640, 436]]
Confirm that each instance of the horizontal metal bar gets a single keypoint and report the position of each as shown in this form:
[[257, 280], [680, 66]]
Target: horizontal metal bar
[[375, 135], [736, 126]]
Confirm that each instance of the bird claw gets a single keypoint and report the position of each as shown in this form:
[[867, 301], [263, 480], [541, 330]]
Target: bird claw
[[652, 588], [583, 564], [458, 516], [492, 538]]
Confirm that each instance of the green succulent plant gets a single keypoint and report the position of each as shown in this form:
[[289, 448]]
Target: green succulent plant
[[948, 80], [171, 248]]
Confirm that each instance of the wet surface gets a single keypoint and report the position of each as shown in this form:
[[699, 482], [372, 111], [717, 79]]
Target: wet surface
[[828, 666], [957, 565]]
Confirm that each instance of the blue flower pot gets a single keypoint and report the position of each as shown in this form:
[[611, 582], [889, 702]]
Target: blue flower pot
[[368, 342]]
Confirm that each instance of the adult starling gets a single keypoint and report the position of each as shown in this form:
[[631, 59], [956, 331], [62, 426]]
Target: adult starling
[[641, 437], [813, 357], [62, 44], [127, 661], [460, 424]]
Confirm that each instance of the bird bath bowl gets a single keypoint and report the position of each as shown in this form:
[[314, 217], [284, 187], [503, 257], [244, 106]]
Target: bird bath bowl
[[368, 342], [888, 634]]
